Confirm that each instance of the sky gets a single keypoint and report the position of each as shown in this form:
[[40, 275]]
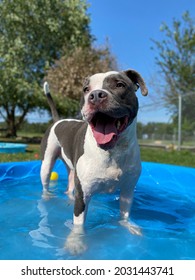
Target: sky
[[129, 26]]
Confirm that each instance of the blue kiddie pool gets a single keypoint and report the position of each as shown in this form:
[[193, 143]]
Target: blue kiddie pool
[[12, 148], [34, 228]]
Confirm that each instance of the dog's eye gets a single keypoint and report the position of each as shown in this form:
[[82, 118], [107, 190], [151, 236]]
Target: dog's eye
[[120, 85], [86, 89]]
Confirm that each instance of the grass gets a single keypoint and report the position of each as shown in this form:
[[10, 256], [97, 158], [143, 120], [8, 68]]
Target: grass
[[184, 158]]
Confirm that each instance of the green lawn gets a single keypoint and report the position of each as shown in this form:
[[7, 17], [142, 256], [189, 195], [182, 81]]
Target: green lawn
[[185, 158]]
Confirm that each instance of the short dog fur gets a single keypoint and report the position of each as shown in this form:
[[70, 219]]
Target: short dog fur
[[101, 151]]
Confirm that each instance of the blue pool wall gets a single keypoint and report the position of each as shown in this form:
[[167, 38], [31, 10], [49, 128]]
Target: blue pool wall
[[12, 148], [182, 177]]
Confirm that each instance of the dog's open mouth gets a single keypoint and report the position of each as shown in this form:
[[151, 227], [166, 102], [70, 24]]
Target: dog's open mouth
[[106, 129]]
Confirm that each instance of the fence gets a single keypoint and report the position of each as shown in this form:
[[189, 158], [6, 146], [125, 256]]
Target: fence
[[167, 141]]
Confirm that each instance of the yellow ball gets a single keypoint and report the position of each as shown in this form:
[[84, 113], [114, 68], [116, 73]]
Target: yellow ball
[[54, 176]]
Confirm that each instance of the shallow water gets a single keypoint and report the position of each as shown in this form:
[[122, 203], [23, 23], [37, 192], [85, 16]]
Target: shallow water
[[33, 228]]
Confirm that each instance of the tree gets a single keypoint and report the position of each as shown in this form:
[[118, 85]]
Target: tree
[[32, 36], [67, 75], [176, 62]]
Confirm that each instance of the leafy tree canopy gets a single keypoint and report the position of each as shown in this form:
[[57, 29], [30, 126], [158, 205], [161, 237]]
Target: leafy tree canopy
[[176, 62], [32, 35]]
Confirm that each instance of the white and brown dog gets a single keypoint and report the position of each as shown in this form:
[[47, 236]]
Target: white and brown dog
[[101, 151]]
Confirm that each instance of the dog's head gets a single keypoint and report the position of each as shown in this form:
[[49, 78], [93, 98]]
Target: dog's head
[[109, 104]]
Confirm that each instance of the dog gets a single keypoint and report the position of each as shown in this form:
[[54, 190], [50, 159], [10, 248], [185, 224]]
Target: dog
[[101, 151]]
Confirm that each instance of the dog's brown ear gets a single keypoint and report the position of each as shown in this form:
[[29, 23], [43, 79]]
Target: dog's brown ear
[[137, 79]]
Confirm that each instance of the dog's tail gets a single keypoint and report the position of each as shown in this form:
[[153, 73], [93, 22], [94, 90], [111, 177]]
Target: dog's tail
[[52, 106]]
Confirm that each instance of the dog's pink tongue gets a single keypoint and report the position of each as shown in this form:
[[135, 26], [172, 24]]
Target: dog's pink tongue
[[104, 132]]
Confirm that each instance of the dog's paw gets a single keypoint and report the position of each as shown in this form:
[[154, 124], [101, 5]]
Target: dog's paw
[[47, 195], [75, 244], [132, 228]]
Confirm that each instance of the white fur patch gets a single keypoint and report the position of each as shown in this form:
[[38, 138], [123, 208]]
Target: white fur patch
[[79, 220], [96, 81], [66, 159], [71, 120], [97, 171]]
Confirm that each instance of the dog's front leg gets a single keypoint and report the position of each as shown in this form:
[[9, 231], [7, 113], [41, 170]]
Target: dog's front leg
[[75, 241], [126, 199]]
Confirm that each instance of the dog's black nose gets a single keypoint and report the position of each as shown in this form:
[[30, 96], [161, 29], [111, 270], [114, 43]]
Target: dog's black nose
[[97, 96]]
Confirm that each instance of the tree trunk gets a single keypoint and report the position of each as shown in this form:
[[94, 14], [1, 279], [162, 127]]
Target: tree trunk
[[14, 123], [11, 125]]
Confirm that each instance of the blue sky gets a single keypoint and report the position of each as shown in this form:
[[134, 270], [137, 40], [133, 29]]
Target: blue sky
[[130, 25]]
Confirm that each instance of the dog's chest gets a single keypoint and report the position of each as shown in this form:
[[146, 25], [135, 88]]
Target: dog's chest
[[104, 171], [98, 172]]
